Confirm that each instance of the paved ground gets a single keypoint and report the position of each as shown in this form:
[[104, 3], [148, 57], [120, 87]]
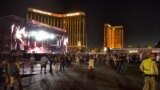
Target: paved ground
[[106, 79]]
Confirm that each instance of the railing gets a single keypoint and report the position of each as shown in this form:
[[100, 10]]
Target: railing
[[24, 63]]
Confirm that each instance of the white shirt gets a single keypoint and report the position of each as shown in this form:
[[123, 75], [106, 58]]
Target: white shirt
[[32, 59], [44, 60], [91, 63], [77, 59], [158, 57]]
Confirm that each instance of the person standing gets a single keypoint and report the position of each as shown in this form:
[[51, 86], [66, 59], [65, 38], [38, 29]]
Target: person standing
[[57, 63], [77, 62], [91, 72], [150, 70], [44, 61], [91, 63], [107, 60], [32, 61], [14, 73], [3, 75], [62, 63], [51, 59]]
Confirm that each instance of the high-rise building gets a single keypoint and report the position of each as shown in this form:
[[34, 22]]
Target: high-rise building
[[113, 36], [73, 23]]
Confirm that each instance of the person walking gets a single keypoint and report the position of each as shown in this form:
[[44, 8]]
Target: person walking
[[150, 70]]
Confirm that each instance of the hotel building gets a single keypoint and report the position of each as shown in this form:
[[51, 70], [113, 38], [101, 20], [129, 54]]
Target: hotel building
[[113, 36], [73, 23]]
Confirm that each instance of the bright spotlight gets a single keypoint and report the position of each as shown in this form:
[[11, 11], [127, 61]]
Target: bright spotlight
[[41, 35], [52, 36], [33, 33]]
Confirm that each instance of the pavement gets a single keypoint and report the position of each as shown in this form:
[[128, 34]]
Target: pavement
[[106, 79]]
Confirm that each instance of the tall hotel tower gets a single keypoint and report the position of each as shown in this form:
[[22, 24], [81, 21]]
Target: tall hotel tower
[[73, 23], [113, 36]]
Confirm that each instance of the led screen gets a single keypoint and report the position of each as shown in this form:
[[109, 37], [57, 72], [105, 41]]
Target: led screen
[[37, 40]]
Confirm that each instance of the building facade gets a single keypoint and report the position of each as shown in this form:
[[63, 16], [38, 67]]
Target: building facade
[[113, 36], [73, 23]]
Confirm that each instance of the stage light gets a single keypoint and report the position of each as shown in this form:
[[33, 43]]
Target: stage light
[[41, 35], [33, 33], [18, 35], [52, 36], [65, 41]]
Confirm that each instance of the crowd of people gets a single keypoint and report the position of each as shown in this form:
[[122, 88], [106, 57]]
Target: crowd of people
[[10, 64], [10, 71]]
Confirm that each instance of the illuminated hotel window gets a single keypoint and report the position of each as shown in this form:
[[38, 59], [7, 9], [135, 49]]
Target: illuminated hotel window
[[113, 36]]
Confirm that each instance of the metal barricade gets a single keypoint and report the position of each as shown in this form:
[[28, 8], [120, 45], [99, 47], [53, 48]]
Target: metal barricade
[[25, 63]]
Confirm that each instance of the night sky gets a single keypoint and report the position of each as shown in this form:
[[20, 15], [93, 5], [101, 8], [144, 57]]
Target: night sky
[[140, 18]]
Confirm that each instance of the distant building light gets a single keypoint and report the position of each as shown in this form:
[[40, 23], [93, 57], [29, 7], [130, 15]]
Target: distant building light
[[108, 25], [105, 49], [133, 51], [118, 27], [42, 12], [56, 15], [74, 14], [79, 43]]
